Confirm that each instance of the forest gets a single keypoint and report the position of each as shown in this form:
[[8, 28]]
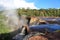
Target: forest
[[51, 12]]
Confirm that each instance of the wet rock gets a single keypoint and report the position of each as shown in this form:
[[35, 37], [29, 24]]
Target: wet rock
[[18, 37]]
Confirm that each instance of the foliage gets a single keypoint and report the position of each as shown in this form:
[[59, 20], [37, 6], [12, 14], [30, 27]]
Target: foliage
[[41, 12]]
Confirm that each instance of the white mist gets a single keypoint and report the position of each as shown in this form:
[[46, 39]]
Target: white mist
[[12, 19]]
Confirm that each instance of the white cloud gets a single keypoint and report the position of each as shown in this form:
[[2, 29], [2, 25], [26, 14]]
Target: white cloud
[[8, 4]]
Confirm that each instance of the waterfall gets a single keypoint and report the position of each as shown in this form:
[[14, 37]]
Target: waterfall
[[12, 19]]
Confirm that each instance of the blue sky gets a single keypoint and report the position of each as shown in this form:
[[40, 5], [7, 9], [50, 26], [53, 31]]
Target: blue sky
[[32, 4], [46, 3]]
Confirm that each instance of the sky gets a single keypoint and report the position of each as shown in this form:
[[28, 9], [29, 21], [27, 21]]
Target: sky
[[46, 3], [32, 4]]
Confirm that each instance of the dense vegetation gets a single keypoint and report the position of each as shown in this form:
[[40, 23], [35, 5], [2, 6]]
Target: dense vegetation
[[40, 12]]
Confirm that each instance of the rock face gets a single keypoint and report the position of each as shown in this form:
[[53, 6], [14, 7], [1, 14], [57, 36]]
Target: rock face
[[42, 22], [38, 38], [33, 19], [36, 21]]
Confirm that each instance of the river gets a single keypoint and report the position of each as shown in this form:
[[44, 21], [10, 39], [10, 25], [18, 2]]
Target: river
[[50, 27]]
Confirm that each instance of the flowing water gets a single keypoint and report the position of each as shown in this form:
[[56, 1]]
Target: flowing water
[[52, 26], [51, 19], [11, 18]]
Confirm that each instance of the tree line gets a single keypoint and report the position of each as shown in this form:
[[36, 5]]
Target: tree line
[[51, 12]]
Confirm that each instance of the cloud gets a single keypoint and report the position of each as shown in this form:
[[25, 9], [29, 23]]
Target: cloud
[[11, 4]]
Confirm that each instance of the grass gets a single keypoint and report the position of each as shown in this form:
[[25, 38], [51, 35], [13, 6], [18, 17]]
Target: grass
[[3, 27]]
